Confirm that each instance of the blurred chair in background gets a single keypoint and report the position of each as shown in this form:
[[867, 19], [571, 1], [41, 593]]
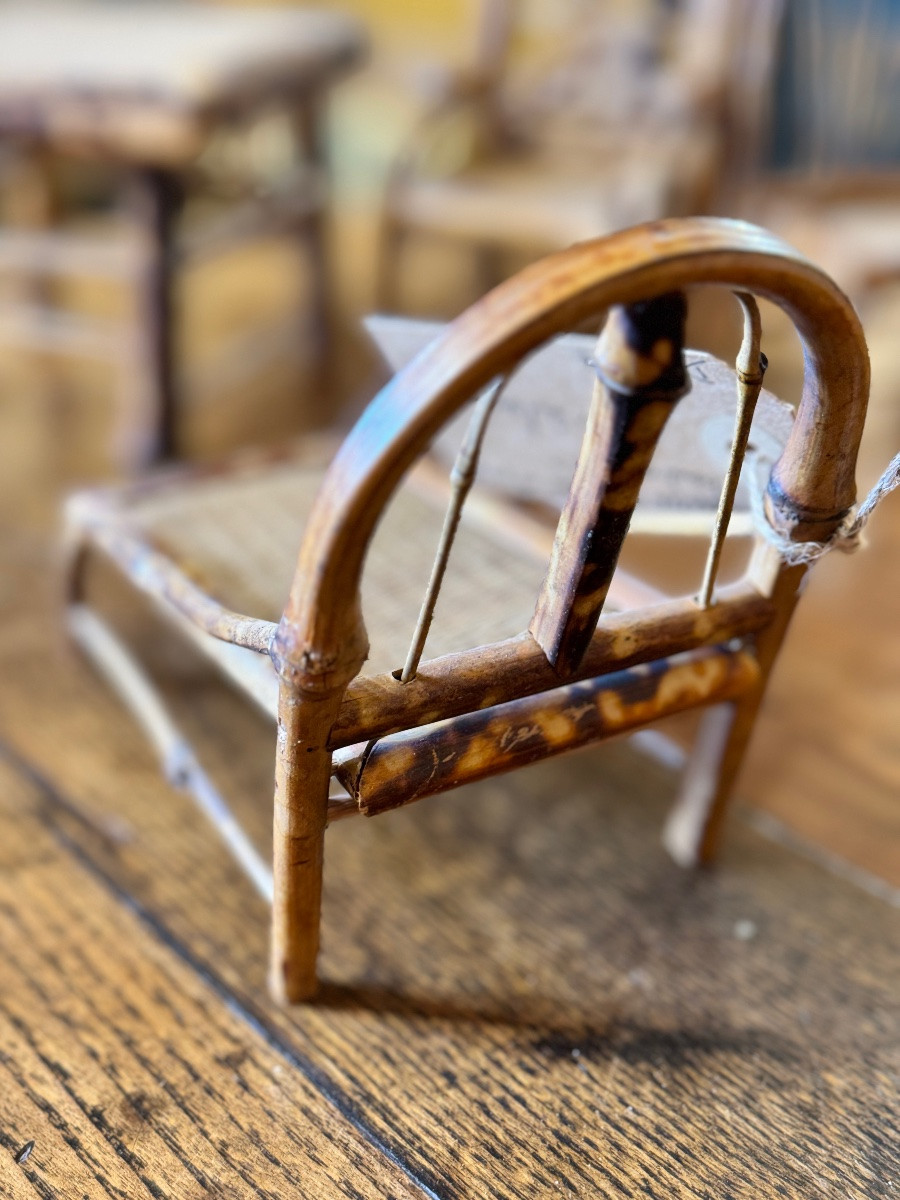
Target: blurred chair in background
[[826, 172], [167, 99], [633, 112]]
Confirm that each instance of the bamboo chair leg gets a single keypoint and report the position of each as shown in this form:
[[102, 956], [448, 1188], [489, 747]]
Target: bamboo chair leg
[[302, 779], [694, 826], [693, 829]]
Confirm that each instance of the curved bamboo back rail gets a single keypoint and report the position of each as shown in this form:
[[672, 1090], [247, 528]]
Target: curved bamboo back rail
[[321, 642]]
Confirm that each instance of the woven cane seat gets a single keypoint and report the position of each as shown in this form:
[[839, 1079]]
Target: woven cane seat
[[236, 535]]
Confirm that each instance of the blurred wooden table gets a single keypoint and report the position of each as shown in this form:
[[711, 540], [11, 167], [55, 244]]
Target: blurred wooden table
[[144, 88]]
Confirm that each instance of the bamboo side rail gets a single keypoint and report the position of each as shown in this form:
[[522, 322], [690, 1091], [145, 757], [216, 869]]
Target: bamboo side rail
[[490, 675], [155, 574], [409, 766]]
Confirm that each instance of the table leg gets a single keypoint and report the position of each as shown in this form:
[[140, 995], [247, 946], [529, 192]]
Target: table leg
[[156, 198]]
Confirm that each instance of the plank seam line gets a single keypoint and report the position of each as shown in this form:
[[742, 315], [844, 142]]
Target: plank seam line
[[774, 830], [245, 1011]]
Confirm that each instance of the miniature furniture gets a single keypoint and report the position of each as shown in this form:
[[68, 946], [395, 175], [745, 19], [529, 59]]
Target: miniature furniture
[[527, 655], [158, 95], [638, 112]]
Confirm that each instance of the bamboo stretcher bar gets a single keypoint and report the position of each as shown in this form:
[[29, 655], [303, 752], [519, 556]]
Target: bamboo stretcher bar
[[378, 705], [180, 765], [417, 763]]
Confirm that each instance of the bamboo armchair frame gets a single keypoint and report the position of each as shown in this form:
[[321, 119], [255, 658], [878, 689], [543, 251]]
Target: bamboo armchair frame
[[573, 677]]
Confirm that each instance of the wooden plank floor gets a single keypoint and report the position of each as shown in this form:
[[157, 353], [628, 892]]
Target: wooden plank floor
[[523, 996], [127, 1067]]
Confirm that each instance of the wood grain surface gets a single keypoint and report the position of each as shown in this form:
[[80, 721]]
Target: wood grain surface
[[126, 1066], [523, 996]]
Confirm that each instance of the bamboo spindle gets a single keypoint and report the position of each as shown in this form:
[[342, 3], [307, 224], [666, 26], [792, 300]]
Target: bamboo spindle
[[750, 367]]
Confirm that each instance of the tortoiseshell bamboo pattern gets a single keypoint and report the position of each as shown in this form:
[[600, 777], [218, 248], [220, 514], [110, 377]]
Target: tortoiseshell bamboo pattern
[[640, 376], [490, 741], [565, 683], [445, 687]]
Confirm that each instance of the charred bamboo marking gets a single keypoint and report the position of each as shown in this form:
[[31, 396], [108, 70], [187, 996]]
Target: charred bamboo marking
[[641, 375], [461, 479], [750, 368], [414, 764], [489, 675]]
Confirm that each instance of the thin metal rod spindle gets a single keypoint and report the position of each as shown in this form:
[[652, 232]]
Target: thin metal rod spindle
[[750, 367], [461, 479]]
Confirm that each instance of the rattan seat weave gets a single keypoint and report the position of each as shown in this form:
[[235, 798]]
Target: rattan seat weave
[[236, 536]]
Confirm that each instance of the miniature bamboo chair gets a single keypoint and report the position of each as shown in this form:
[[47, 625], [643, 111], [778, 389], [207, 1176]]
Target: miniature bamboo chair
[[570, 673]]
